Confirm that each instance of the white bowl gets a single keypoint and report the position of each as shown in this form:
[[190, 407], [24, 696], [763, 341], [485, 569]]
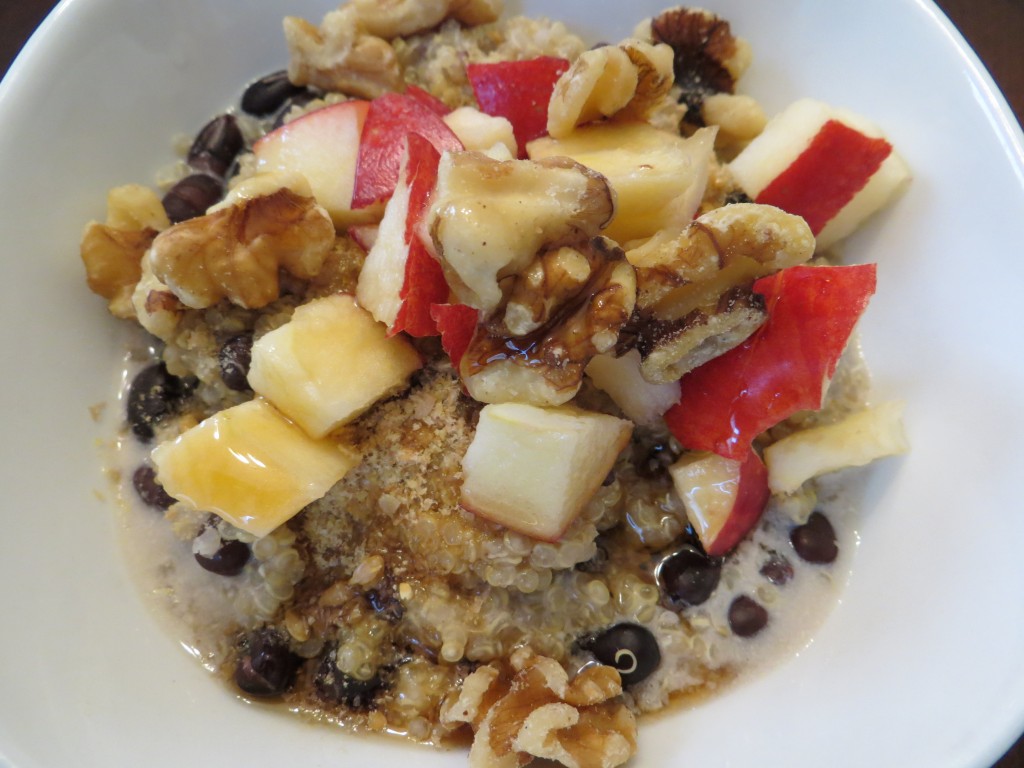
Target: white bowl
[[922, 663]]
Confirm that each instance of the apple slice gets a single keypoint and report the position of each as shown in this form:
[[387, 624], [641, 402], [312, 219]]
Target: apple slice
[[533, 469], [826, 164], [329, 364], [658, 177], [251, 466], [855, 441], [323, 146], [724, 498], [456, 323], [389, 119], [480, 131], [400, 279], [518, 91], [365, 235], [785, 366], [642, 403]]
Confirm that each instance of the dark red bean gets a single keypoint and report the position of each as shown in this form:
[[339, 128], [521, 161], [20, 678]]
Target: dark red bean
[[747, 617], [335, 686], [216, 146], [228, 560], [269, 93], [815, 540], [153, 396], [777, 569], [630, 648], [191, 196], [149, 490], [266, 666], [234, 358], [688, 577]]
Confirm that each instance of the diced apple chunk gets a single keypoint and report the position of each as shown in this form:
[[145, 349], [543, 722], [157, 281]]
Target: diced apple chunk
[[855, 441], [642, 403], [480, 131], [658, 177], [827, 164], [251, 466], [323, 146], [533, 469], [329, 364], [724, 498]]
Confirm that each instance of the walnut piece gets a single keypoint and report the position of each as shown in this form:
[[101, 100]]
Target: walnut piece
[[708, 58], [489, 219], [112, 252], [572, 307], [626, 81], [340, 56], [399, 18], [531, 709], [236, 253], [694, 298]]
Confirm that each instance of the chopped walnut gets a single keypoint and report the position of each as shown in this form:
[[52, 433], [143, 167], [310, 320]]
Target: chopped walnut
[[626, 81], [112, 252], [489, 219], [156, 308], [399, 18], [574, 322], [340, 56], [532, 710], [236, 253], [708, 58], [694, 298]]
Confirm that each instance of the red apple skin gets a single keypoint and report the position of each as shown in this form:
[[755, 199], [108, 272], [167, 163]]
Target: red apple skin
[[784, 366], [364, 235], [518, 91], [827, 175], [389, 120], [424, 284], [751, 497], [429, 100], [456, 323]]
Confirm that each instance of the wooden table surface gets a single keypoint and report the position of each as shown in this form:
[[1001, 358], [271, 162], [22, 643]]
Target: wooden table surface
[[995, 28]]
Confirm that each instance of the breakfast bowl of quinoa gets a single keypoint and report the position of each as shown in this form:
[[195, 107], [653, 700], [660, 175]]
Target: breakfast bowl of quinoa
[[410, 413]]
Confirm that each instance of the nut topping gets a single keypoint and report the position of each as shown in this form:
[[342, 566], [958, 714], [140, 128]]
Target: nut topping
[[340, 56], [112, 252], [533, 711], [693, 288], [235, 253], [490, 219], [626, 80], [399, 18], [708, 58], [545, 366]]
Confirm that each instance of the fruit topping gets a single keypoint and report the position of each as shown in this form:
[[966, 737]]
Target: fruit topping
[[234, 359], [329, 364], [532, 469], [784, 367], [225, 558], [251, 466], [149, 490], [724, 498]]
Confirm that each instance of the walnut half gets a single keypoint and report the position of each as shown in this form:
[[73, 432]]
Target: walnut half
[[532, 710], [694, 297], [236, 253], [571, 303]]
